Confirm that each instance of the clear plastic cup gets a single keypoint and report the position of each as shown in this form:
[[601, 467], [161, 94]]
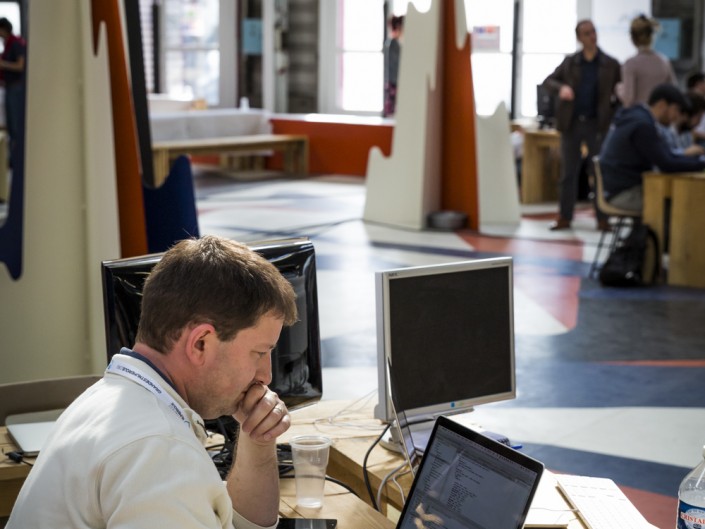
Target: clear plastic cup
[[310, 455]]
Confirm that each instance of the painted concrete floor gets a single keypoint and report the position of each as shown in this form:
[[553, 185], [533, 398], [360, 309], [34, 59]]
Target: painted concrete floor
[[609, 381]]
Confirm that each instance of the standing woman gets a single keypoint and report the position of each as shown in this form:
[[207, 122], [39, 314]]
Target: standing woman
[[648, 68]]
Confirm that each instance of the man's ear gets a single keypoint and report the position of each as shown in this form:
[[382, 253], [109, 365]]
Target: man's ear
[[200, 340]]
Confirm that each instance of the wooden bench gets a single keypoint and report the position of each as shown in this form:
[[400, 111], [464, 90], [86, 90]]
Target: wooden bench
[[293, 147]]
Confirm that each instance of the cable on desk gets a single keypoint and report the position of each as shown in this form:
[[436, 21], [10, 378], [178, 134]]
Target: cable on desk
[[364, 467], [18, 457], [357, 405], [387, 478], [401, 490]]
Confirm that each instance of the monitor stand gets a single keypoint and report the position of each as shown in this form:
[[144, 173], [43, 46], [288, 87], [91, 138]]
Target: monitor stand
[[421, 432], [390, 440]]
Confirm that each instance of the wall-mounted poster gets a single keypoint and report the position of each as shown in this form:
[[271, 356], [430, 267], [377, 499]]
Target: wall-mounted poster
[[668, 38], [485, 38], [252, 36]]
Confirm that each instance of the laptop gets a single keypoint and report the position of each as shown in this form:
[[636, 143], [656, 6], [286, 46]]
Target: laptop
[[30, 430], [466, 479]]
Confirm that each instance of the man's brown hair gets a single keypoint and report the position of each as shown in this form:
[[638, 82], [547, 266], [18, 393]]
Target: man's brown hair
[[211, 280]]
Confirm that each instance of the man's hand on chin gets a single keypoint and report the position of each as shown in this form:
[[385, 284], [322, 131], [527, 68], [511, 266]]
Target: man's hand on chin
[[262, 415]]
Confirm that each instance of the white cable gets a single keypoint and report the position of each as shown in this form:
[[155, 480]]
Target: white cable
[[353, 407], [401, 490], [384, 483]]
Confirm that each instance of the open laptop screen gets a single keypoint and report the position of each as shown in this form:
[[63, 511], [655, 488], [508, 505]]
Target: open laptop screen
[[468, 480]]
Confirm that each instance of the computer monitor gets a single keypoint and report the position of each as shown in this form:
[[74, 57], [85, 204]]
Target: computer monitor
[[545, 107], [447, 333], [296, 360]]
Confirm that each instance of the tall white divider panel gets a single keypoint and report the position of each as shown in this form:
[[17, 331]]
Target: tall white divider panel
[[51, 317], [496, 179], [403, 188], [102, 216]]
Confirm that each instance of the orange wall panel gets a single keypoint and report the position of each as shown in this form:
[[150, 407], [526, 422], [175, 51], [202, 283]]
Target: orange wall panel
[[337, 147], [459, 158]]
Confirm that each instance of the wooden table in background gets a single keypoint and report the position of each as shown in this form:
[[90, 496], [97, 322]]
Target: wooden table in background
[[540, 166], [293, 146], [686, 222]]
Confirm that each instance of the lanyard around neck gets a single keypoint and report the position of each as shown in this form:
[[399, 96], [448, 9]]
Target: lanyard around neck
[[120, 368]]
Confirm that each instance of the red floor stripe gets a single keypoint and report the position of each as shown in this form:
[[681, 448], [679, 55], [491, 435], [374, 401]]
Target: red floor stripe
[[659, 363], [558, 295], [547, 249], [658, 509]]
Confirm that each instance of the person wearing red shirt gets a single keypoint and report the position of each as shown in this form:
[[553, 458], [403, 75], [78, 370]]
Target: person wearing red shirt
[[12, 69]]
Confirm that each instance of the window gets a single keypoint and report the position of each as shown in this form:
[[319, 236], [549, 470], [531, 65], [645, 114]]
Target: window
[[191, 51], [492, 69], [547, 40], [361, 38], [11, 11]]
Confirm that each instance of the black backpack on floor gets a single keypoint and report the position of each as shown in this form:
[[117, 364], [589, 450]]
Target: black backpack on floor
[[636, 261]]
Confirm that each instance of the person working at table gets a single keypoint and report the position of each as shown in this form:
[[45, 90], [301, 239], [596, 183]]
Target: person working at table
[[633, 146], [679, 134], [129, 451]]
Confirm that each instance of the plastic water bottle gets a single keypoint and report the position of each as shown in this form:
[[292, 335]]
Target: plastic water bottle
[[691, 498]]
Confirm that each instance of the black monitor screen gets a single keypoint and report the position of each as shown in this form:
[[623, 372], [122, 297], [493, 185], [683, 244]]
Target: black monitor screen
[[296, 360], [545, 106], [447, 333]]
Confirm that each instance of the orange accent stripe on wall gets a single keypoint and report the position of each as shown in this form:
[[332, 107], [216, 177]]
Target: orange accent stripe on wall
[[133, 232], [459, 166]]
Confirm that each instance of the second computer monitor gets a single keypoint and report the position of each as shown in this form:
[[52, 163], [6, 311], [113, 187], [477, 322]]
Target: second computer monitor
[[447, 332], [296, 360]]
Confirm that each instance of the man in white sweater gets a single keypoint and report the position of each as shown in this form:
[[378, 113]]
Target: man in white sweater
[[129, 452]]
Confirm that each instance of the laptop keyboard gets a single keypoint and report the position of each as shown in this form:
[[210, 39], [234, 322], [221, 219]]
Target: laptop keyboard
[[600, 503]]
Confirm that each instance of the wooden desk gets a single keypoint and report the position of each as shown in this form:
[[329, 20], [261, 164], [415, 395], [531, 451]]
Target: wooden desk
[[353, 432], [12, 475], [540, 166], [338, 503], [686, 192], [294, 147]]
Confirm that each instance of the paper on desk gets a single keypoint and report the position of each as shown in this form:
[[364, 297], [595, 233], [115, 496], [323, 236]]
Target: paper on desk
[[548, 508]]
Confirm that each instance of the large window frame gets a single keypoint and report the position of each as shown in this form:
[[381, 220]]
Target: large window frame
[[519, 90]]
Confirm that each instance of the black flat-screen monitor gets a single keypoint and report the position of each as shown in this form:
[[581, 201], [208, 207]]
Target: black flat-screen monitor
[[296, 360], [545, 107], [446, 333]]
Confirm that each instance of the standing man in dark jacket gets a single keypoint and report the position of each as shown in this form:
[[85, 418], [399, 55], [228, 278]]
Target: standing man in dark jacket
[[585, 85]]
